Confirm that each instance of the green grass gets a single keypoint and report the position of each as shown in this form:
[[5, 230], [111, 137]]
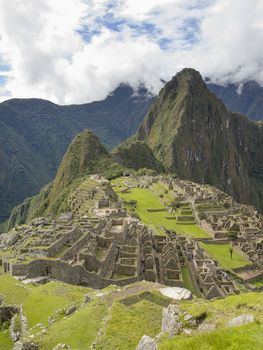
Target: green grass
[[188, 282], [247, 337], [220, 253], [258, 283], [148, 199], [5, 340], [226, 308], [15, 292], [219, 312], [42, 301], [78, 330], [45, 300], [129, 323]]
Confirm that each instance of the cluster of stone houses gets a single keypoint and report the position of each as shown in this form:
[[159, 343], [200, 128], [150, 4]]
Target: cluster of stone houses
[[99, 243]]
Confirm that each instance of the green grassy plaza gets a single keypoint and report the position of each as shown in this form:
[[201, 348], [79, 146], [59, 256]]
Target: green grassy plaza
[[150, 199], [220, 253]]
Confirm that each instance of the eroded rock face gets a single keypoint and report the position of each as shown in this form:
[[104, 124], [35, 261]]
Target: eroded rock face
[[147, 343], [170, 320], [240, 320], [176, 293]]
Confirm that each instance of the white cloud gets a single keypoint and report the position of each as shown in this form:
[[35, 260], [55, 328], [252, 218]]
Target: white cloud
[[70, 51]]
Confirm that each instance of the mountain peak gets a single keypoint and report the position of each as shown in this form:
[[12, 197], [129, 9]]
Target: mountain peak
[[193, 134], [186, 82], [80, 157]]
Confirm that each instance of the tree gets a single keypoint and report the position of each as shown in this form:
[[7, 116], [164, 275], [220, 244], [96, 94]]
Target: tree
[[231, 251]]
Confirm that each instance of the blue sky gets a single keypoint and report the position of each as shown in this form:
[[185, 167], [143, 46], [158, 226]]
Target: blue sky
[[75, 51]]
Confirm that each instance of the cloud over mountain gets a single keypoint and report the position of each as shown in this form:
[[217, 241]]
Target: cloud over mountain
[[75, 51]]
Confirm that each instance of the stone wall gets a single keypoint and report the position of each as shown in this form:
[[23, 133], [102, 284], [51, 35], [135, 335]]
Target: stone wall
[[109, 262], [19, 270], [90, 262], [74, 234], [69, 254]]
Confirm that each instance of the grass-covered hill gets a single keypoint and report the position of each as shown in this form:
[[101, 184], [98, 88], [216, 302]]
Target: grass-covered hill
[[34, 135], [194, 135]]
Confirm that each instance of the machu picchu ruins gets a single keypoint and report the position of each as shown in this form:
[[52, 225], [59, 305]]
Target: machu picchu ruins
[[101, 241]]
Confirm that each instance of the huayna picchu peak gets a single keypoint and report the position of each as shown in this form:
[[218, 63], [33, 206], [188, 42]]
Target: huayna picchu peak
[[193, 134]]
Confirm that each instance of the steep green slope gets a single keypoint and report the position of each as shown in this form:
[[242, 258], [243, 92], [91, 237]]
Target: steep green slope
[[193, 134], [136, 155], [85, 156], [34, 135], [21, 172]]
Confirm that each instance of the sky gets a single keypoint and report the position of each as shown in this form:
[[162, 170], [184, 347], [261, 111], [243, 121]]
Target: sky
[[78, 51]]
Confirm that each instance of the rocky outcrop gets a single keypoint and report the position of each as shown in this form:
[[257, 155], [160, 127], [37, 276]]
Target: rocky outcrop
[[170, 320], [147, 343]]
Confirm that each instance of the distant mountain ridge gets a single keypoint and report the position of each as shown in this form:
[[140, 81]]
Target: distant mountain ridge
[[34, 135], [245, 98]]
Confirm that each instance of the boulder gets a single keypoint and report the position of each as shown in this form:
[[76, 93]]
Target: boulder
[[188, 317], [71, 310], [240, 320], [147, 343], [176, 293], [170, 320]]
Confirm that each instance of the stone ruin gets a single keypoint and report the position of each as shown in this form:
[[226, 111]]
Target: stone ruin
[[98, 243]]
